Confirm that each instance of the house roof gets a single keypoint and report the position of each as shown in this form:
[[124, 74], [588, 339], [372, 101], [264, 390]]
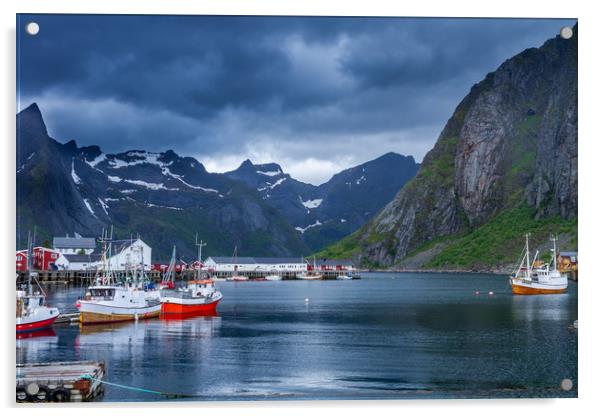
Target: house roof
[[280, 260], [117, 246], [82, 258], [73, 242], [568, 253], [329, 262], [229, 260]]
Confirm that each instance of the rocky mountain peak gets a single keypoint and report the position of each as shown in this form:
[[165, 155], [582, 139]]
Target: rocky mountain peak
[[511, 141]]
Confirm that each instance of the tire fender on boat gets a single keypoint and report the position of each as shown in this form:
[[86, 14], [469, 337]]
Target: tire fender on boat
[[21, 395], [42, 395], [60, 394]]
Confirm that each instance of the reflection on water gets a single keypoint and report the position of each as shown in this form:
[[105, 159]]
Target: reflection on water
[[386, 336]]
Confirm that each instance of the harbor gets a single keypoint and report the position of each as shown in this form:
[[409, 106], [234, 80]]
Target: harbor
[[303, 328]]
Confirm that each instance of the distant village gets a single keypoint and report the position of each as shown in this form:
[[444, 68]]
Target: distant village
[[80, 254]]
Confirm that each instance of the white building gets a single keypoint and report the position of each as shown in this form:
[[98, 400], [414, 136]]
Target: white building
[[80, 262], [74, 245], [129, 254], [256, 264]]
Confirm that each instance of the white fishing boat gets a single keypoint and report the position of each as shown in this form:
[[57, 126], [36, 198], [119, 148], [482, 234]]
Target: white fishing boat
[[344, 277], [236, 277], [108, 301], [273, 276], [310, 275], [32, 312], [533, 277]]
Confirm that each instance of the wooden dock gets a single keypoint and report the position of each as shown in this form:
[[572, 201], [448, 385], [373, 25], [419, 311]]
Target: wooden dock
[[77, 381], [85, 278]]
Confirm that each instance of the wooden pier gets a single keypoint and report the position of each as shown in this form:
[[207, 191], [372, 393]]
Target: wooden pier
[[85, 278], [78, 381]]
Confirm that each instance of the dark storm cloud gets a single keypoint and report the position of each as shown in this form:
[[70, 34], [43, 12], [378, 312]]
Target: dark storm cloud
[[225, 87]]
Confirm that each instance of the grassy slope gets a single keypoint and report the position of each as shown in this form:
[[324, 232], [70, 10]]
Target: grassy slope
[[500, 241], [494, 244]]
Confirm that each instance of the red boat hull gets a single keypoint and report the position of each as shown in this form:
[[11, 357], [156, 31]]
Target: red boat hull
[[35, 326], [172, 308]]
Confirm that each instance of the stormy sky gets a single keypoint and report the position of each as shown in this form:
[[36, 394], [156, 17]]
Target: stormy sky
[[315, 95]]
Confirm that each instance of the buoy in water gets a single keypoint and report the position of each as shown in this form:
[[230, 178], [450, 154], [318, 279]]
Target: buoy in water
[[477, 293], [490, 293]]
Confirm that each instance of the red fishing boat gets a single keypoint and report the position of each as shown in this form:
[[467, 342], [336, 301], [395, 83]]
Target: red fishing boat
[[197, 297], [32, 312]]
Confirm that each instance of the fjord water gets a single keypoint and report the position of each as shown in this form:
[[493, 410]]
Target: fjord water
[[386, 336]]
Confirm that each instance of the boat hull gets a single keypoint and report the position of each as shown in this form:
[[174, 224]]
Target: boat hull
[[35, 325], [178, 308], [100, 314], [527, 290], [520, 287]]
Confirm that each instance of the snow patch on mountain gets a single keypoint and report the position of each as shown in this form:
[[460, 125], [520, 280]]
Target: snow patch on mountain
[[311, 203], [76, 178], [145, 157], [150, 185], [270, 173], [103, 205], [89, 207], [270, 185], [167, 172], [163, 206], [98, 159], [302, 230]]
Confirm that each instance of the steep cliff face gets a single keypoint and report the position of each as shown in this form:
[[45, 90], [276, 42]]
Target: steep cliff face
[[512, 141]]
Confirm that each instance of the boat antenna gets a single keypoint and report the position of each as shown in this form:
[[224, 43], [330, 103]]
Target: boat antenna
[[200, 245]]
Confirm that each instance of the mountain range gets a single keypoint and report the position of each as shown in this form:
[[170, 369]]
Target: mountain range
[[166, 198], [505, 164]]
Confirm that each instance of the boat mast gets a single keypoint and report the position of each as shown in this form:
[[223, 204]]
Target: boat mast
[[528, 262], [200, 245], [169, 275], [554, 239], [29, 263], [105, 240]]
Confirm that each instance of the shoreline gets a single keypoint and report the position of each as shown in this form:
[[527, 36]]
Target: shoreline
[[440, 271]]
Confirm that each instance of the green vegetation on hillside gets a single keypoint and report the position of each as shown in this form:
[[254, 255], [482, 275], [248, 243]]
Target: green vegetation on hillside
[[500, 241], [346, 248]]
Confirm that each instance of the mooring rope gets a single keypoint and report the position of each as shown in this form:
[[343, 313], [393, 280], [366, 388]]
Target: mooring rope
[[140, 389]]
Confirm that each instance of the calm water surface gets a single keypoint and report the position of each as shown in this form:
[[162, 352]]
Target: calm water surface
[[386, 336]]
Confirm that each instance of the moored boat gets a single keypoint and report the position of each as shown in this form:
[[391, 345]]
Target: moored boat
[[32, 312], [310, 275], [344, 277], [235, 277], [273, 277], [199, 296], [114, 303], [108, 301], [534, 277]]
